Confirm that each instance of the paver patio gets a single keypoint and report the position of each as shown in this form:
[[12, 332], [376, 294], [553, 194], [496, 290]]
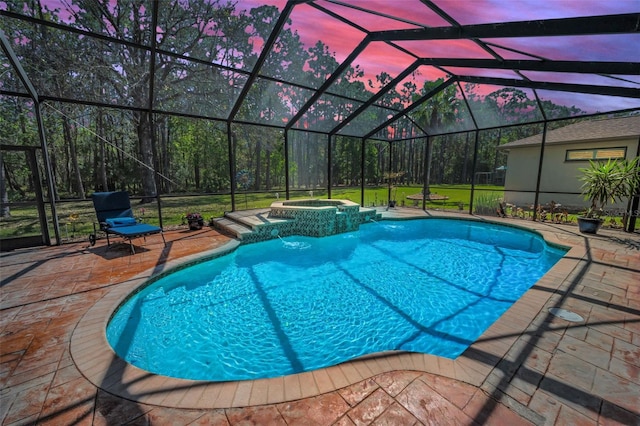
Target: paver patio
[[530, 367]]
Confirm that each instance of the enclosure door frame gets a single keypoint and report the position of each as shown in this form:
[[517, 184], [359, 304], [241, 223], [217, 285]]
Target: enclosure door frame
[[44, 238]]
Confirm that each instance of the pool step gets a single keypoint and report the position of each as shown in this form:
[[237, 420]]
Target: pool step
[[254, 219], [231, 227], [259, 225]]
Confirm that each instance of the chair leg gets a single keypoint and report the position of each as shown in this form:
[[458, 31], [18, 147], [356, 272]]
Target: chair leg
[[133, 251], [163, 240]]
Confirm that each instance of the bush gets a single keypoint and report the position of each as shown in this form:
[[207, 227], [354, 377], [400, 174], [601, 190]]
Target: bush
[[486, 203]]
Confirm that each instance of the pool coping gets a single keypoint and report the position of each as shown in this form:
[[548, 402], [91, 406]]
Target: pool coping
[[99, 364]]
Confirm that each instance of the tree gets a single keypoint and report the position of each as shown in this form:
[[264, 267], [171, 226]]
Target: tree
[[205, 53], [17, 127], [198, 27], [437, 114], [5, 211]]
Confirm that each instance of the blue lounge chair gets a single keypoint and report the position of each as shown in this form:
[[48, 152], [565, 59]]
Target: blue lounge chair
[[116, 218]]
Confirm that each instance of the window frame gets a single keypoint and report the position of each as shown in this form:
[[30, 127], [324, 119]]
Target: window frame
[[594, 154]]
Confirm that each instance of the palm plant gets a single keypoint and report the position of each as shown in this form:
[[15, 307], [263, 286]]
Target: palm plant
[[604, 183]]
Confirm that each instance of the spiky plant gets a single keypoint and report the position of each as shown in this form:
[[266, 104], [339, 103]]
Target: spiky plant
[[604, 183]]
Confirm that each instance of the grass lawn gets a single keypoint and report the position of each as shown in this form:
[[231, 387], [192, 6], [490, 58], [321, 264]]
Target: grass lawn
[[77, 218]]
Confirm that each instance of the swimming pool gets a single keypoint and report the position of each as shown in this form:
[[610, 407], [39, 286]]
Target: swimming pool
[[286, 306]]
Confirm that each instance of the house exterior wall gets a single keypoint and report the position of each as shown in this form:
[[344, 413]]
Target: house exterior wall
[[558, 176]]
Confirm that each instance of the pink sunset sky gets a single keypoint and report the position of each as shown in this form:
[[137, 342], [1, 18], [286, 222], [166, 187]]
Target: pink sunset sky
[[312, 25]]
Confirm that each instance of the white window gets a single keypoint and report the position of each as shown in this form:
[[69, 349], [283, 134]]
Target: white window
[[595, 154]]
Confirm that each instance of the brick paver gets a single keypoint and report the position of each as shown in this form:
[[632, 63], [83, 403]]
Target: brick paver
[[529, 368]]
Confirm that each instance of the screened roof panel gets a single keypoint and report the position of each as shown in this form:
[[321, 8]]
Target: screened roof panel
[[327, 113], [483, 72], [485, 12], [373, 69], [408, 87], [348, 85], [506, 53], [367, 17], [53, 11], [566, 77], [272, 102], [10, 80], [445, 49], [446, 112], [566, 104], [313, 26], [189, 87], [370, 118], [494, 106], [609, 47], [58, 62], [413, 11], [628, 78], [242, 61], [293, 98], [224, 38], [287, 59], [114, 19], [399, 96], [402, 128], [283, 66]]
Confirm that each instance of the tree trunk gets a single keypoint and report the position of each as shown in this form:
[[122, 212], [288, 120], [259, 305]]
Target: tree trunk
[[258, 156], [196, 173], [495, 155], [73, 156], [54, 174], [443, 155], [427, 183], [267, 172], [466, 159], [102, 157], [164, 154], [4, 196], [66, 170], [10, 179], [146, 157]]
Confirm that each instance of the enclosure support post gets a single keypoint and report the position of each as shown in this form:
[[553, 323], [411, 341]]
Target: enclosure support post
[[329, 160], [17, 66], [232, 164], [542, 143], [389, 174], [633, 211], [362, 170], [535, 200], [152, 121], [50, 185], [473, 174], [11, 55], [632, 206], [286, 163], [426, 171], [156, 175], [37, 186]]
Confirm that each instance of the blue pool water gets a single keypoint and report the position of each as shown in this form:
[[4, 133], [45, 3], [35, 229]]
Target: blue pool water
[[301, 303]]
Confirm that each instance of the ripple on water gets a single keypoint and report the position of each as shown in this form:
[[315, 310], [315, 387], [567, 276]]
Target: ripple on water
[[300, 303]]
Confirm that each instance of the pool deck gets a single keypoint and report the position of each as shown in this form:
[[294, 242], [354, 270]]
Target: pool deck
[[529, 367]]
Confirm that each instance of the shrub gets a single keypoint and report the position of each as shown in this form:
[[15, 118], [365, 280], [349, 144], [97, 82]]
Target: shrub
[[486, 203]]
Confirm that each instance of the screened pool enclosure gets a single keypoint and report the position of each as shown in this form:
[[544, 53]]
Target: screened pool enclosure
[[216, 106]]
